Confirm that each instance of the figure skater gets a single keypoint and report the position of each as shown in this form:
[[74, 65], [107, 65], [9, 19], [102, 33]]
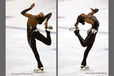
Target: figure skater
[[33, 33], [89, 40]]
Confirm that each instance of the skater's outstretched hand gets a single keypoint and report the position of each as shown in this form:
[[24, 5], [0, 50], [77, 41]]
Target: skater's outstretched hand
[[76, 24], [32, 5], [94, 10], [77, 31]]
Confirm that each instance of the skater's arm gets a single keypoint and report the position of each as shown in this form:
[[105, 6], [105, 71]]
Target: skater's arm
[[76, 24], [47, 18], [26, 10]]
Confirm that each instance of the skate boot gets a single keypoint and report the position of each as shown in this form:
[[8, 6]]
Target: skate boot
[[95, 10], [49, 28], [84, 67], [38, 69], [73, 28]]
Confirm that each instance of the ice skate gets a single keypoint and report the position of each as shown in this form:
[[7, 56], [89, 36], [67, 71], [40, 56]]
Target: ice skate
[[73, 28], [38, 69], [84, 67], [49, 28]]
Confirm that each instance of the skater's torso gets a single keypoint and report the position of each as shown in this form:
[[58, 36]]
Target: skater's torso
[[91, 20], [32, 21], [95, 25], [31, 24]]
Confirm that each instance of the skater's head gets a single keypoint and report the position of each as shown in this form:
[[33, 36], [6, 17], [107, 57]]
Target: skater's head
[[40, 18], [81, 19]]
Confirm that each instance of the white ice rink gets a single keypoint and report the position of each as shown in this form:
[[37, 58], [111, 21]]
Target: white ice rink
[[20, 60], [70, 51]]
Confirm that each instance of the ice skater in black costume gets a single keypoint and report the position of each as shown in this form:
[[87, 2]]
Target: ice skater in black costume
[[89, 40], [33, 33]]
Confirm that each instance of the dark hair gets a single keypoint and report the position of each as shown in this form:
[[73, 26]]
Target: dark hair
[[81, 19], [40, 19]]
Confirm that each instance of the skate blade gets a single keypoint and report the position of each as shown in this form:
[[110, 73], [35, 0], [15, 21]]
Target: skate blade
[[38, 70], [84, 67], [42, 68], [73, 29], [49, 28]]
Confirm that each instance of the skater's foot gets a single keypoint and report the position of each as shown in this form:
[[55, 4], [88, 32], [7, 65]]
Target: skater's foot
[[41, 68], [38, 69], [84, 67], [95, 10]]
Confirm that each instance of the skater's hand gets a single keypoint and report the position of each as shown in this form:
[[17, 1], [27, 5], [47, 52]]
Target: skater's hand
[[77, 31], [94, 10], [32, 5], [76, 25], [46, 24]]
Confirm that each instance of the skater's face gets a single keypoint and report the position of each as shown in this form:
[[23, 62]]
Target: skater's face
[[41, 20]]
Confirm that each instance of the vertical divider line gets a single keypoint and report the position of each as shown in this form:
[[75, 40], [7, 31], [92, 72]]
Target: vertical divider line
[[2, 38], [56, 37]]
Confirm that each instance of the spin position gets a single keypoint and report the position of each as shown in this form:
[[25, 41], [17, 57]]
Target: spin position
[[89, 40], [33, 33]]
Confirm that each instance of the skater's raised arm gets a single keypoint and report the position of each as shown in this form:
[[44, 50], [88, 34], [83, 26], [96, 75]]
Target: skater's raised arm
[[93, 11], [47, 18], [24, 11]]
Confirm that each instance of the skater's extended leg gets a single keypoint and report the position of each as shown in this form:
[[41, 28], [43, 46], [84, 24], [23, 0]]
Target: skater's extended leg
[[43, 39]]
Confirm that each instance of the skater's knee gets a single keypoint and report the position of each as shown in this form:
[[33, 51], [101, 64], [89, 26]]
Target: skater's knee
[[84, 44], [48, 42]]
